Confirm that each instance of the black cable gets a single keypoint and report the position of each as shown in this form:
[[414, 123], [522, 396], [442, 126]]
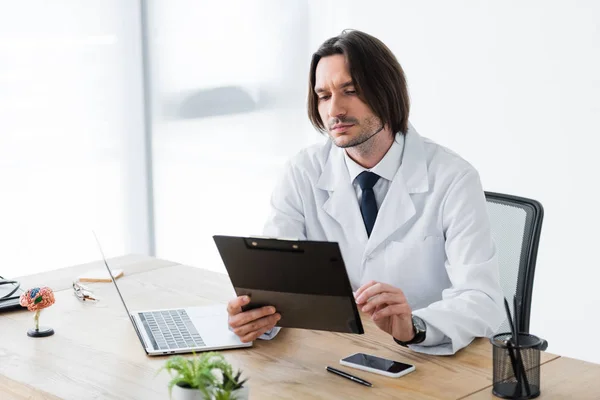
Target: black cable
[[7, 282]]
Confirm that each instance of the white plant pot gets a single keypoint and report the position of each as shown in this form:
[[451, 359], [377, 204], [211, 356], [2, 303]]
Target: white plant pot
[[180, 393]]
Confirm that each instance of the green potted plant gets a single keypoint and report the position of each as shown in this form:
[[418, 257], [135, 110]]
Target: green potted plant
[[204, 376]]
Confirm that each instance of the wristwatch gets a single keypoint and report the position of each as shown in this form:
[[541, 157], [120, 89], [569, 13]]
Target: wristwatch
[[420, 332]]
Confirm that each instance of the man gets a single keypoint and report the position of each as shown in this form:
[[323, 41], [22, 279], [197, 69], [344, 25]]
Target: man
[[409, 215]]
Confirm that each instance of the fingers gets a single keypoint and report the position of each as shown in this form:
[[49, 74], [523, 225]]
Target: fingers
[[374, 289], [249, 325], [256, 328], [394, 309], [382, 300], [255, 335], [235, 306], [246, 317], [363, 288]]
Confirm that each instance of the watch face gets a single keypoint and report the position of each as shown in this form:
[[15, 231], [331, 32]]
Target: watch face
[[419, 323]]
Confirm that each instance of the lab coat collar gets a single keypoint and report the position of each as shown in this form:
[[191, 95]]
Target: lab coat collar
[[386, 168], [413, 168], [414, 162]]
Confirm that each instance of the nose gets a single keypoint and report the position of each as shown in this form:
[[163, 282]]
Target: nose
[[337, 108]]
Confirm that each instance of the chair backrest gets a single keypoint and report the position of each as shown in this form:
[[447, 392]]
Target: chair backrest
[[516, 224]]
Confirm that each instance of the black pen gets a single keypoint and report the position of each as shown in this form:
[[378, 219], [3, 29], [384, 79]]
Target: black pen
[[348, 376]]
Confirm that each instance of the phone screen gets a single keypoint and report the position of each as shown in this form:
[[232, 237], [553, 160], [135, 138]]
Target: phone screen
[[379, 363]]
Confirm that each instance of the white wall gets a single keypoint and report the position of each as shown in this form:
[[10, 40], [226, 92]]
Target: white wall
[[514, 87]]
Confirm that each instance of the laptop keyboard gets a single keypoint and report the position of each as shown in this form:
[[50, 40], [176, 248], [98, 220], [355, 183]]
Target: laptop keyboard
[[171, 329]]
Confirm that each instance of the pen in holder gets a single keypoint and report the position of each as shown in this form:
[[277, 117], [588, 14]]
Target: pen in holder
[[516, 361]]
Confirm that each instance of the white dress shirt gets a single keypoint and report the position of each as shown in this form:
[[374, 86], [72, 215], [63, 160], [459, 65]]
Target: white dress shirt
[[386, 169]]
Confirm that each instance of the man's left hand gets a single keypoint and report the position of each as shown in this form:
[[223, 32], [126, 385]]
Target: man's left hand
[[387, 307]]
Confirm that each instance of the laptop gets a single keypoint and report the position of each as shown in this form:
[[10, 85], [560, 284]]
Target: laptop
[[180, 330]]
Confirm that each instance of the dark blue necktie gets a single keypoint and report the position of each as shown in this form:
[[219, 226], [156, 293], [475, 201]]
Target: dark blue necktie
[[368, 205]]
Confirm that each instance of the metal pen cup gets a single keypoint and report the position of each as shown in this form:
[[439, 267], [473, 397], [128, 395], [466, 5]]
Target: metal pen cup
[[516, 368]]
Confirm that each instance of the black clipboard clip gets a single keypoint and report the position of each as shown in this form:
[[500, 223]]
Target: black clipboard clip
[[292, 246]]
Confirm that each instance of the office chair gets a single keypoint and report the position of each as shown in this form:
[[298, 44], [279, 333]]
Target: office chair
[[516, 224]]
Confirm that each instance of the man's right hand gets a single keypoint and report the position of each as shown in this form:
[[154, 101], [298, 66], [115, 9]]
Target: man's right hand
[[249, 325]]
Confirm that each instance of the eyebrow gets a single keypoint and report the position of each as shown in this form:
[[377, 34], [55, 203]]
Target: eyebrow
[[342, 86]]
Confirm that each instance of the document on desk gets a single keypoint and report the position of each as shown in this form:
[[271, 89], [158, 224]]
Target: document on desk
[[306, 281]]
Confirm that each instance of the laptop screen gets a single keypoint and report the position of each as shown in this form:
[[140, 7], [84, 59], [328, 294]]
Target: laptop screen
[[111, 275]]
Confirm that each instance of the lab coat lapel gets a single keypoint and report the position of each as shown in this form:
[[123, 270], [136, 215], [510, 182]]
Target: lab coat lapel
[[342, 204], [398, 207]]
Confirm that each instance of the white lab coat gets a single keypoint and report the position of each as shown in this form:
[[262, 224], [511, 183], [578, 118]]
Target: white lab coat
[[431, 238]]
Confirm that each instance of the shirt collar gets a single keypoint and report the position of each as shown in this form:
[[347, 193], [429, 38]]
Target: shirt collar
[[386, 168]]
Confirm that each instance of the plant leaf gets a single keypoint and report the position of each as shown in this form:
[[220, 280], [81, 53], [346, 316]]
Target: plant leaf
[[199, 372]]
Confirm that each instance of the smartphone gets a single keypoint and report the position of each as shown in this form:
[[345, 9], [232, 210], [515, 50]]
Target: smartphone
[[377, 365]]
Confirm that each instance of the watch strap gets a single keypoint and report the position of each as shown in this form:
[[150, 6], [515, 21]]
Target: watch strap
[[418, 338]]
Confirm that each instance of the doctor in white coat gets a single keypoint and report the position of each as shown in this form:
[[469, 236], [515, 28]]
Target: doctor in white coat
[[409, 215]]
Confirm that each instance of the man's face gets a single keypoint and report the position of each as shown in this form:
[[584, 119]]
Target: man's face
[[349, 121]]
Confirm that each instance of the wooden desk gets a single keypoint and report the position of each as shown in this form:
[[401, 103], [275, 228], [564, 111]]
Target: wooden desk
[[95, 352]]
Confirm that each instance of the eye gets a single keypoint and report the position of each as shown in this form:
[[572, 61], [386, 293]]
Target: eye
[[324, 97], [350, 91]]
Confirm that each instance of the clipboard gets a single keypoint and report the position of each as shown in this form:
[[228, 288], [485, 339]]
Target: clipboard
[[306, 281]]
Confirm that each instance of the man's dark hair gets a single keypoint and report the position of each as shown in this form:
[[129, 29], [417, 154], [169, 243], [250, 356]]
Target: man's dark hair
[[376, 74]]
